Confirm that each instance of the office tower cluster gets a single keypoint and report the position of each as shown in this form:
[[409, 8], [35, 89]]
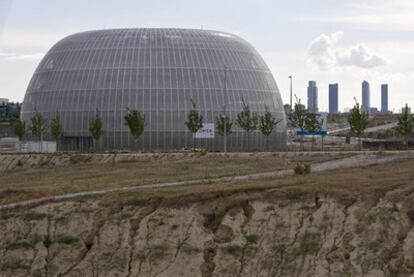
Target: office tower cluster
[[334, 98]]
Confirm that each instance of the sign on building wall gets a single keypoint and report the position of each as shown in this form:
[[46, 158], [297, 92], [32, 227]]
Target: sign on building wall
[[207, 131]]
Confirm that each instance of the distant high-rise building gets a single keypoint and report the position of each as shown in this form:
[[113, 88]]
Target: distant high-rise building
[[365, 96], [312, 97], [384, 98], [333, 98]]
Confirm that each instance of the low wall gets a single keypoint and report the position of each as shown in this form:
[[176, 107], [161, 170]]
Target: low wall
[[36, 147]]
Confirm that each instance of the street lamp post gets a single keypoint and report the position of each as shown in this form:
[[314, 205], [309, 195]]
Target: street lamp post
[[224, 109], [291, 90]]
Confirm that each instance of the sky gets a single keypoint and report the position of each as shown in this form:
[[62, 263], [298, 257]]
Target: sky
[[328, 41]]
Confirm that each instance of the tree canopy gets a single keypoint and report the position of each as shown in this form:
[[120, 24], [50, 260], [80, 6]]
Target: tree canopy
[[135, 122], [194, 119]]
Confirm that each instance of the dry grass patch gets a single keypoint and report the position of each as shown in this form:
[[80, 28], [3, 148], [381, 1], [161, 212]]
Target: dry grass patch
[[32, 183], [347, 184]]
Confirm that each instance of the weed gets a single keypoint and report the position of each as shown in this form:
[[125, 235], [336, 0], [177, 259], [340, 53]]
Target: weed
[[24, 244], [190, 250], [33, 216], [66, 239], [159, 251], [310, 243], [375, 245], [234, 250], [13, 265], [48, 241], [252, 239]]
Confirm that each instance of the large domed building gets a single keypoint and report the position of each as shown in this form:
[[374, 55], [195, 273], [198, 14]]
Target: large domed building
[[158, 72]]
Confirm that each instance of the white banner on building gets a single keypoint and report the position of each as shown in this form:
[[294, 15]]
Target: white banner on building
[[205, 132]]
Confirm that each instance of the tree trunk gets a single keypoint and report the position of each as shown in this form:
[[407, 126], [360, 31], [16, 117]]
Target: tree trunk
[[312, 142], [225, 143], [41, 143], [267, 143], [248, 148], [194, 142]]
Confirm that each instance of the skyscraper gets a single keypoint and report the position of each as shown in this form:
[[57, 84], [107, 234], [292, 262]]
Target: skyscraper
[[384, 98], [333, 98], [312, 97], [365, 96]]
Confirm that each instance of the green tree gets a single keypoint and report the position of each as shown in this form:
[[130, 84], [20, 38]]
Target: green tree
[[358, 121], [223, 125], [247, 120], [194, 120], [297, 118], [312, 125], [56, 128], [135, 122], [267, 124], [405, 125], [19, 130], [39, 127], [96, 128]]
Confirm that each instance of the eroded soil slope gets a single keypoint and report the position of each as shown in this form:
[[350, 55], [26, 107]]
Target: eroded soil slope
[[256, 234]]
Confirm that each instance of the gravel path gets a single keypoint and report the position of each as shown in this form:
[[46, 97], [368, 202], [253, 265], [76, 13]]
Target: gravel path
[[354, 161]]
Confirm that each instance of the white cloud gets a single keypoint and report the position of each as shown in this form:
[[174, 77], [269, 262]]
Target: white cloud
[[382, 15], [325, 54], [21, 56], [34, 56]]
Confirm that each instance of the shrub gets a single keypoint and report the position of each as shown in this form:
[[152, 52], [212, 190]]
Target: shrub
[[203, 152], [301, 169]]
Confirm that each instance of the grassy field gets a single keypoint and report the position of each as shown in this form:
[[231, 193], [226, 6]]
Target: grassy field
[[370, 182], [28, 183]]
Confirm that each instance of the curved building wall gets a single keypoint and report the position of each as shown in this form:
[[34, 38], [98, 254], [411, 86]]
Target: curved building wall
[[158, 72]]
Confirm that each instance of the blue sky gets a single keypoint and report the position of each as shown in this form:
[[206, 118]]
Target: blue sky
[[323, 40]]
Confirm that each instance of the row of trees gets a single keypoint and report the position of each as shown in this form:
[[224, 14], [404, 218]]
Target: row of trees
[[302, 119], [358, 121], [135, 120], [246, 119]]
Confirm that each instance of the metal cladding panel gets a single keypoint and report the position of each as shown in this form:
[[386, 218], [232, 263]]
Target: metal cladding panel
[[158, 72]]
